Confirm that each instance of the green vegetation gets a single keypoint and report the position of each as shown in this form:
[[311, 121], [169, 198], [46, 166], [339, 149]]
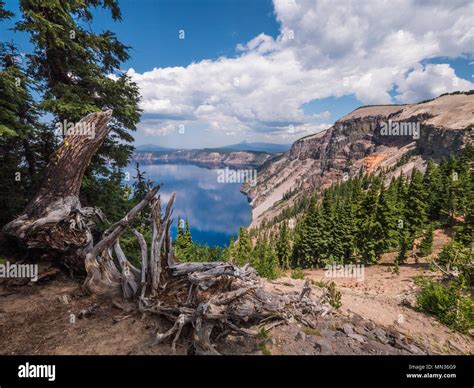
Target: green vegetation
[[426, 245], [449, 300], [263, 336], [297, 273], [358, 220], [334, 296], [187, 250], [283, 247], [447, 303]]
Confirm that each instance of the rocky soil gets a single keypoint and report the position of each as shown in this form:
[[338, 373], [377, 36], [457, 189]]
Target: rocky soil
[[36, 319], [376, 317]]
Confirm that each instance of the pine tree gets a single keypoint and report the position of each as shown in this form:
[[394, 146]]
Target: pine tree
[[370, 237], [434, 189], [416, 208], [405, 242], [185, 249], [346, 221], [388, 215], [141, 186], [4, 14], [243, 253], [327, 233], [264, 258], [283, 248], [179, 242], [426, 244], [229, 252], [311, 240], [21, 136], [187, 234]]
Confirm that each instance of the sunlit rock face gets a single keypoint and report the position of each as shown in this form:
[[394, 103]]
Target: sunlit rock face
[[369, 139]]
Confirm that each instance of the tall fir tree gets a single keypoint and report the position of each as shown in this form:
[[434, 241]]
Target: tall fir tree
[[426, 244], [243, 254], [283, 246], [433, 186], [21, 135], [416, 205]]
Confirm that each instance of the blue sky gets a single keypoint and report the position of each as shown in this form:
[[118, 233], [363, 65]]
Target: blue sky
[[259, 70]]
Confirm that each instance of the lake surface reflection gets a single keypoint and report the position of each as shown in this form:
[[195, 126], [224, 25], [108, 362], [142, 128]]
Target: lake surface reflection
[[215, 211]]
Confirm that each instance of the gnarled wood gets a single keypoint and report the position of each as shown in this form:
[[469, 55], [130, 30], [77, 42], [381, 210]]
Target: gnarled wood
[[54, 218]]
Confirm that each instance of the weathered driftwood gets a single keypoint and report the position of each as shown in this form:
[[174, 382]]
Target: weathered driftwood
[[203, 301]]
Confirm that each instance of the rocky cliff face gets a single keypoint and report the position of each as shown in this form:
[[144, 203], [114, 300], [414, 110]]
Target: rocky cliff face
[[204, 158], [367, 139]]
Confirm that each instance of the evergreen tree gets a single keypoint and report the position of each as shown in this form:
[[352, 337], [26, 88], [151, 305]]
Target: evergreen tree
[[187, 234], [264, 258], [405, 242], [345, 239], [309, 241], [229, 252], [4, 14], [21, 135], [283, 248], [179, 243], [416, 208], [185, 249], [141, 186], [426, 244], [370, 238], [434, 189], [388, 215], [243, 254]]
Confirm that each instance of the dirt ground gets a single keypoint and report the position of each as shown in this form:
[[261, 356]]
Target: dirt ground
[[385, 298], [57, 317]]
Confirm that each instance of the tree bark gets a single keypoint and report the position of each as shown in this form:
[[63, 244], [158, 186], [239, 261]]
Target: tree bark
[[54, 218]]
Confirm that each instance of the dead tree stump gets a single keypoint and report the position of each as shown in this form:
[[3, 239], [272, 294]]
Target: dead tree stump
[[209, 299]]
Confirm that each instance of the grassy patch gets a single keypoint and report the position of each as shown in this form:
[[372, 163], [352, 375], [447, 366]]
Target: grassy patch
[[297, 273], [262, 334], [264, 349], [311, 331]]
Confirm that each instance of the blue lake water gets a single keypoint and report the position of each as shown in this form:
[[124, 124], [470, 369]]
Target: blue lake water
[[215, 211]]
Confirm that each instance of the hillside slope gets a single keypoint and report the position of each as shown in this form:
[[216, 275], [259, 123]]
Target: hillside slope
[[357, 142]]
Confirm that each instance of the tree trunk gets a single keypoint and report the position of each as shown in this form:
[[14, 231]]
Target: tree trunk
[[54, 218]]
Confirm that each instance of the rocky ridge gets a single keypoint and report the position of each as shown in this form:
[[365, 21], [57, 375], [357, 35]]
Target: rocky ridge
[[357, 143], [206, 158]]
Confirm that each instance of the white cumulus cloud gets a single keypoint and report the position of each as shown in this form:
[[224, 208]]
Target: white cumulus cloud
[[325, 48]]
